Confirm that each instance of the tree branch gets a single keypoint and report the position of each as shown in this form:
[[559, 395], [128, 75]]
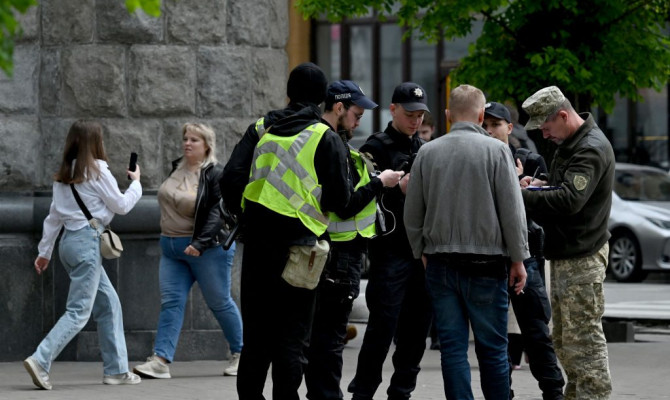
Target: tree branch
[[626, 13], [504, 26]]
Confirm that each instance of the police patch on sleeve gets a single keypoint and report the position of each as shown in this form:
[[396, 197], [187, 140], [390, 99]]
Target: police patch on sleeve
[[580, 182]]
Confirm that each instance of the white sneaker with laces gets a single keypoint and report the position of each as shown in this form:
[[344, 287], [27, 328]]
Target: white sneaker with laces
[[39, 375], [121, 379], [153, 368], [234, 364]]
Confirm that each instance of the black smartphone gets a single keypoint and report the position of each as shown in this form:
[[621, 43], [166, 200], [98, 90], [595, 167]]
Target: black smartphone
[[132, 165], [228, 242]]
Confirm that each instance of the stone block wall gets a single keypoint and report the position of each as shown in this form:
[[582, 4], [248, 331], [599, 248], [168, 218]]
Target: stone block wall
[[221, 62]]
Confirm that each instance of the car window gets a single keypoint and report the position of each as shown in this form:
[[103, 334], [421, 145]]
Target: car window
[[642, 185]]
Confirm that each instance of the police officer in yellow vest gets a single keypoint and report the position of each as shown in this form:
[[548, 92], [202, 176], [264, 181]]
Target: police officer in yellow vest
[[349, 230], [297, 172]]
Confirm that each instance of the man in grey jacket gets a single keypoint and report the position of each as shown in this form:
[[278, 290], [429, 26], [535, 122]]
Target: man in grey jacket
[[464, 215]]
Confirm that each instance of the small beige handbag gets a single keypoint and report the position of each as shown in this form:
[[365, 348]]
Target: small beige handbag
[[305, 264], [110, 242]]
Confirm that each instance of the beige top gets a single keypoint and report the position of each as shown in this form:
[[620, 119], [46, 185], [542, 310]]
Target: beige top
[[176, 198]]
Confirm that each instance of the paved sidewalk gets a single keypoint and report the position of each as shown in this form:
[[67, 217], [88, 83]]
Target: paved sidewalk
[[640, 371], [637, 302]]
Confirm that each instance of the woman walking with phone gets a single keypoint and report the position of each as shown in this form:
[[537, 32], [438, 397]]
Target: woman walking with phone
[[84, 169]]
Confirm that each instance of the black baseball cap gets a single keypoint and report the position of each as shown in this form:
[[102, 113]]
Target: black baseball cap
[[348, 90], [497, 110], [411, 96]]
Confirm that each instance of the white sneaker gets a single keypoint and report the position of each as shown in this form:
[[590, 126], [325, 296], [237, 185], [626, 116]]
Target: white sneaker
[[39, 375], [121, 379], [234, 364], [153, 368]]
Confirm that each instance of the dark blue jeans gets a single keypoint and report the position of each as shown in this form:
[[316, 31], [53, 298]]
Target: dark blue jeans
[[399, 305], [533, 311], [334, 300], [461, 300]]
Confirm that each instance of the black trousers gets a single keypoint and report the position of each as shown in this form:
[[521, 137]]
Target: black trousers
[[277, 320], [399, 305], [334, 301], [533, 311]]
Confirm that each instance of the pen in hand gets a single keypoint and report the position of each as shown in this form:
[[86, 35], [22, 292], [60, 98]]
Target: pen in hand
[[534, 175]]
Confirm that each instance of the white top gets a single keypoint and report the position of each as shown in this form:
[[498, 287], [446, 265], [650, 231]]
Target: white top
[[101, 196]]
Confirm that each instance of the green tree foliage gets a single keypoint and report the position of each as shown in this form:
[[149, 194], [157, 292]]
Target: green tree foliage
[[591, 49], [151, 7], [10, 29]]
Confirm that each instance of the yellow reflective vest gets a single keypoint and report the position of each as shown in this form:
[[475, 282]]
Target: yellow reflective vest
[[362, 223], [283, 178]]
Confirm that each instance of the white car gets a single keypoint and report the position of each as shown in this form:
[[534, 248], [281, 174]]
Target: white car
[[639, 222]]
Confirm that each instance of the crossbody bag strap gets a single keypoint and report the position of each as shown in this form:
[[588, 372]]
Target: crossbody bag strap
[[81, 203]]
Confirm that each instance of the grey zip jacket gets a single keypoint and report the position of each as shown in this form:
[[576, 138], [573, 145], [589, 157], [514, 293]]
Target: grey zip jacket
[[464, 197]]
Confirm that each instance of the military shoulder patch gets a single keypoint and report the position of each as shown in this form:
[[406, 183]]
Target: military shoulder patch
[[580, 182]]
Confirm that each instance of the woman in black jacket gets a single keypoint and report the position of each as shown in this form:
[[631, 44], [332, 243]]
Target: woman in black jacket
[[190, 222]]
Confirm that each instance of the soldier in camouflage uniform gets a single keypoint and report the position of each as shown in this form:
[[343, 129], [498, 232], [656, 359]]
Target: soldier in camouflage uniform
[[574, 215]]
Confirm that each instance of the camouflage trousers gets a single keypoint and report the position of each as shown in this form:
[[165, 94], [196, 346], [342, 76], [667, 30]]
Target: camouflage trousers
[[578, 303]]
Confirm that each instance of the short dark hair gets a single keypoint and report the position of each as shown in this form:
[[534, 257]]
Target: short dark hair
[[329, 103], [428, 119]]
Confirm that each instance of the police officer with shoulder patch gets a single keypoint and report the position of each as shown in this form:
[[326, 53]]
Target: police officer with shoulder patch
[[349, 232], [531, 308], [574, 214], [396, 293], [296, 168]]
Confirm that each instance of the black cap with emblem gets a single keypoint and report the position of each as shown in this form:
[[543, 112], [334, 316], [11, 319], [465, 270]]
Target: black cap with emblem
[[411, 96]]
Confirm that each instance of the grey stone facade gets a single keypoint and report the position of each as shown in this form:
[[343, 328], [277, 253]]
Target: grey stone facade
[[221, 62]]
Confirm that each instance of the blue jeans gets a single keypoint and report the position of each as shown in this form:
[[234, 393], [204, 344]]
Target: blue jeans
[[460, 300], [90, 293], [177, 274]]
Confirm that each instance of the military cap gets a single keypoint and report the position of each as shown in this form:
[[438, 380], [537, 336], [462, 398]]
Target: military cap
[[541, 105]]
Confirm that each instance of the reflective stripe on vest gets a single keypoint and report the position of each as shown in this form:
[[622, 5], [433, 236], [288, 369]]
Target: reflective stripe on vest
[[260, 127], [284, 180], [362, 223]]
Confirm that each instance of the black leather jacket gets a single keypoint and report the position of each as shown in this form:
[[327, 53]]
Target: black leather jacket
[[207, 212]]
